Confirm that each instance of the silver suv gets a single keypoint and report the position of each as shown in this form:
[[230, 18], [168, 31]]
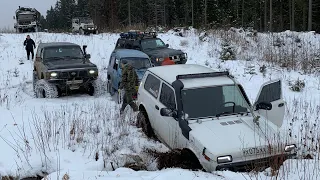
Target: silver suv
[[208, 113]]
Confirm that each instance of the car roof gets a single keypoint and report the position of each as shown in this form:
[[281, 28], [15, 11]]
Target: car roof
[[55, 44], [169, 73], [123, 53]]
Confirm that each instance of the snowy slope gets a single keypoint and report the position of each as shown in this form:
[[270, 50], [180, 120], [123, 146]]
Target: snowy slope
[[81, 133]]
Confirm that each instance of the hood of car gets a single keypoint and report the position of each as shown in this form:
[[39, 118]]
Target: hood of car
[[163, 52], [68, 64], [233, 135]]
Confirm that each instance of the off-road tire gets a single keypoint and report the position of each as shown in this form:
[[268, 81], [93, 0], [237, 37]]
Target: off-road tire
[[179, 158], [81, 31], [44, 89], [95, 88], [144, 123]]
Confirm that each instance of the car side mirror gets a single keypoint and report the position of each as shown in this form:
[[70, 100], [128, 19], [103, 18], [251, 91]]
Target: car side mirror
[[264, 105], [88, 56], [168, 112], [14, 17], [167, 45]]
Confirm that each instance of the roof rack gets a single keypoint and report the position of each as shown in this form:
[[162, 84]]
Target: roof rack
[[134, 34], [203, 75]]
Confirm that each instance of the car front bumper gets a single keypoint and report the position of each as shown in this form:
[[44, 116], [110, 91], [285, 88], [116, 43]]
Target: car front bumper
[[263, 163], [72, 83]]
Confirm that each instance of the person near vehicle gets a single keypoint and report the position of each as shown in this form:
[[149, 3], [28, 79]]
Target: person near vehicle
[[129, 80], [29, 44], [167, 61]]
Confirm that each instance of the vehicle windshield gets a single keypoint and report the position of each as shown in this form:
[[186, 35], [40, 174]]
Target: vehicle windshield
[[62, 52], [138, 63], [26, 17], [213, 101], [152, 43], [86, 21]]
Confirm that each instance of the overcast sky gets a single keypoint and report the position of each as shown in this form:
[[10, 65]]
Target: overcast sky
[[8, 8]]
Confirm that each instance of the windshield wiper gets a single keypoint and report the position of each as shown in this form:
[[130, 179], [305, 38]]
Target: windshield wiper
[[54, 58], [230, 113], [73, 57]]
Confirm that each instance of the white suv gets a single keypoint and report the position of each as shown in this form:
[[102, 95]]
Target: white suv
[[208, 113]]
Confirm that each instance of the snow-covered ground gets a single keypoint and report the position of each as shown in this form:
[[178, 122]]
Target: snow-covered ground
[[82, 136]]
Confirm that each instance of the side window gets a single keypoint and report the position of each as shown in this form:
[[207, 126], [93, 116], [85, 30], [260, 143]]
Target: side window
[[270, 92], [167, 97], [152, 85]]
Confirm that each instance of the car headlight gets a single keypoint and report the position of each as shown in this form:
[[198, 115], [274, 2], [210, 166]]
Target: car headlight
[[289, 148], [92, 71], [224, 159], [159, 59], [53, 74]]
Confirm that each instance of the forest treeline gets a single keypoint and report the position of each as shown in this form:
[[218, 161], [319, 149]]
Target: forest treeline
[[262, 15]]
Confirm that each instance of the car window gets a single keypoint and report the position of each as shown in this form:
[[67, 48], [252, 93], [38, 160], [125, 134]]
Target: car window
[[152, 85], [63, 51], [138, 63], [152, 43], [270, 92], [167, 97]]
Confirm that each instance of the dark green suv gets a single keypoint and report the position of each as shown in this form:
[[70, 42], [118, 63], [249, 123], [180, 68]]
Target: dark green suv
[[62, 67], [154, 47]]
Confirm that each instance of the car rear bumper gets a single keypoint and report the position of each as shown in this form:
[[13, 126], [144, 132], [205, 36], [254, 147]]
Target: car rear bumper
[[245, 166]]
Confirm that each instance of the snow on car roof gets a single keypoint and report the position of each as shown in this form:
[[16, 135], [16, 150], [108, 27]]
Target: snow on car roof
[[170, 72], [123, 53]]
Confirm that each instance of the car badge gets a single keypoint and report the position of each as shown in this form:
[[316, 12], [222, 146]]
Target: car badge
[[73, 73]]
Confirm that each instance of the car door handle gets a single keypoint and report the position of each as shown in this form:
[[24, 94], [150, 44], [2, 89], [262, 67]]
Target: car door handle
[[157, 107], [280, 105]]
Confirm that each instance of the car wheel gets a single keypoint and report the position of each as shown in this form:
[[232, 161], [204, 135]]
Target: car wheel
[[144, 123], [81, 31], [44, 89], [95, 88]]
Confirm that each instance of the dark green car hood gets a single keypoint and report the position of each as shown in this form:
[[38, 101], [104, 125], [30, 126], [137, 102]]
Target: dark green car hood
[[68, 64]]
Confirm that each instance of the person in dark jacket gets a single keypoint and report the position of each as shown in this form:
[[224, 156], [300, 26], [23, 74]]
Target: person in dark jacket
[[29, 43], [128, 83]]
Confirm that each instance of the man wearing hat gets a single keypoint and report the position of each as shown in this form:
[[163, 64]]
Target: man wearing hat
[[129, 80]]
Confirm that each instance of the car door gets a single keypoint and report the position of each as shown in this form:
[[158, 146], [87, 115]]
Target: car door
[[169, 126], [150, 99], [271, 92]]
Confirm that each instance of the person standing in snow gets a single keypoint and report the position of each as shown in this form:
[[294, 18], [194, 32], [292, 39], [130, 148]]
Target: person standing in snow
[[29, 44], [129, 80], [167, 61]]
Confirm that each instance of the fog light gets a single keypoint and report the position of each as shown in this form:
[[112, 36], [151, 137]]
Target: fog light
[[224, 159], [289, 148], [53, 74], [91, 71]]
